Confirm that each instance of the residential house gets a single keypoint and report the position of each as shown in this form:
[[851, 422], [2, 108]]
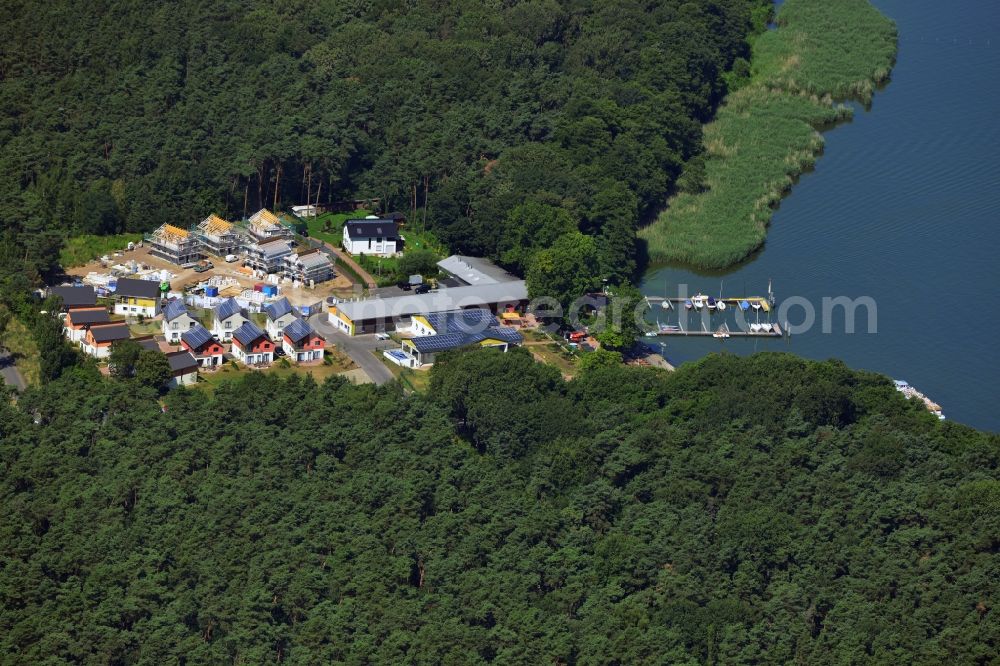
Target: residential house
[[219, 237], [137, 297], [310, 266], [176, 245], [98, 340], [226, 318], [75, 297], [268, 255], [373, 236], [264, 225], [280, 313], [251, 345], [302, 343], [78, 320], [208, 351], [445, 331], [176, 320], [183, 369]]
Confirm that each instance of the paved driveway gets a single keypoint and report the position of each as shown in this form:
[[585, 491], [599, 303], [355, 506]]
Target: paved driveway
[[11, 375], [358, 347]]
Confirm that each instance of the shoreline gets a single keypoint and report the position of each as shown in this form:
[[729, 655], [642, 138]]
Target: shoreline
[[768, 132]]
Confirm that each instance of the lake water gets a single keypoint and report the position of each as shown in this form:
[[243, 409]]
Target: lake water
[[903, 207]]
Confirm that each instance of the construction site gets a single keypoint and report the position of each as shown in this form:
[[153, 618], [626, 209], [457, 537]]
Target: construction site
[[208, 277]]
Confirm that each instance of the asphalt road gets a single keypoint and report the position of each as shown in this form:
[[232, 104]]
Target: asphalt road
[[358, 347], [11, 375]]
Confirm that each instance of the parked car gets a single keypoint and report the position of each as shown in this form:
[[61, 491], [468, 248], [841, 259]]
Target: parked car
[[404, 285], [382, 336], [422, 289], [230, 258]]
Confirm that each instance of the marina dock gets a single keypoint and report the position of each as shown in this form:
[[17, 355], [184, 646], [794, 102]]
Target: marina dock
[[773, 332], [763, 302]]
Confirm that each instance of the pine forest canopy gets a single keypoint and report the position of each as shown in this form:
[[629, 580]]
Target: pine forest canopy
[[117, 117], [763, 510]]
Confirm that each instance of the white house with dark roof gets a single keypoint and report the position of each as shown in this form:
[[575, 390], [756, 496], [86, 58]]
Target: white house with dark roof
[[373, 236], [176, 320], [280, 314], [226, 318]]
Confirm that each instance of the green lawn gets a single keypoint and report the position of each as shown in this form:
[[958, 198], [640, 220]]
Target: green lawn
[[329, 227], [413, 380], [78, 250], [341, 363]]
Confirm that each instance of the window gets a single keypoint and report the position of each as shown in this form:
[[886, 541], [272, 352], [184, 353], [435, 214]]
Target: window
[[229, 324], [174, 326]]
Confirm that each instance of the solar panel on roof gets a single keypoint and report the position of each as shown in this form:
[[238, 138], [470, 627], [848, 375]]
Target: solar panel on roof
[[277, 309], [297, 330], [227, 309], [196, 337], [174, 309], [247, 333]]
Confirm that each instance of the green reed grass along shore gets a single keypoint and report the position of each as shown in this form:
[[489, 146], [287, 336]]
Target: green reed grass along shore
[[765, 134]]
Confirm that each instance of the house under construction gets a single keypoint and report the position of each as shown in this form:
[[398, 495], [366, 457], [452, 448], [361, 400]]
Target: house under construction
[[219, 237], [264, 225], [309, 266], [268, 255], [175, 245]]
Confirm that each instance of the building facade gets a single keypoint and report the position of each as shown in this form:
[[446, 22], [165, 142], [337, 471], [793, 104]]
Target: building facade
[[372, 236]]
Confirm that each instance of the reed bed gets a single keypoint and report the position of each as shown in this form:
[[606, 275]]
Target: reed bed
[[767, 133]]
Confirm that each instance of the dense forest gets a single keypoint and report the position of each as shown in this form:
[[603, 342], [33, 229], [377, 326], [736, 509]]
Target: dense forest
[[118, 116], [758, 510]]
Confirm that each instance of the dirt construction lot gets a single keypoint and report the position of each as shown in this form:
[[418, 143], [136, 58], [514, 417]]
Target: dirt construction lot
[[339, 286]]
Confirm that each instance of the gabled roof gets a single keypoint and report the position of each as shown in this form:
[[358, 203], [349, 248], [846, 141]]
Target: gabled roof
[[227, 309], [75, 296], [215, 225], [278, 308], [89, 316], [196, 337], [275, 249], [170, 232], [174, 309], [110, 332], [248, 333], [313, 259], [181, 361], [297, 331], [149, 344], [264, 219], [448, 341], [371, 228], [137, 288]]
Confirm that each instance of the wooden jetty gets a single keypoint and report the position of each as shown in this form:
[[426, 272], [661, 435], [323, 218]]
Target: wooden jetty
[[773, 332]]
